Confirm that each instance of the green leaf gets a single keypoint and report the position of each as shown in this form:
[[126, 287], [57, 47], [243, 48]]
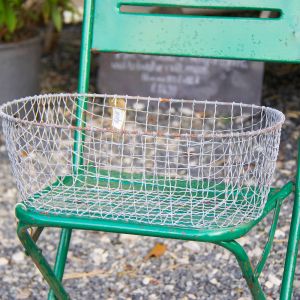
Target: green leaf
[[53, 2], [2, 13], [46, 10], [57, 18], [11, 19]]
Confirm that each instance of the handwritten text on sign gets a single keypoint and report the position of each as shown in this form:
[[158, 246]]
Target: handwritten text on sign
[[180, 77]]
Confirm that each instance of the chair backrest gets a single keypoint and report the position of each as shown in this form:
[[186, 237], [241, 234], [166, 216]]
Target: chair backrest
[[108, 27], [251, 38]]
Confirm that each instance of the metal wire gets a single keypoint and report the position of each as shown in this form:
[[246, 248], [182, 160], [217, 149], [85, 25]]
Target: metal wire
[[183, 163]]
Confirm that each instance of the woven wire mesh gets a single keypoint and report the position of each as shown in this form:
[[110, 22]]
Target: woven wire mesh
[[173, 162]]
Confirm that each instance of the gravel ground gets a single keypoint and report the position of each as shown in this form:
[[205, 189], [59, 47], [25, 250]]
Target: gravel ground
[[113, 266]]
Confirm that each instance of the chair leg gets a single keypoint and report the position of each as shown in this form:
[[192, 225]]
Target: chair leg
[[61, 257], [41, 263], [291, 256], [292, 250], [246, 267], [36, 234]]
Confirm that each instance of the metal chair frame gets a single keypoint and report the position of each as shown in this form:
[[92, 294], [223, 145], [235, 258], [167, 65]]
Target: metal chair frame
[[107, 28]]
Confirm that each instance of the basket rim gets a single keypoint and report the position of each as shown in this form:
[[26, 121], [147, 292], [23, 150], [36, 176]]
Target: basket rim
[[204, 134]]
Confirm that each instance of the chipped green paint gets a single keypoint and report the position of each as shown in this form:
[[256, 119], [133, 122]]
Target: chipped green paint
[[40, 261], [203, 36], [246, 267]]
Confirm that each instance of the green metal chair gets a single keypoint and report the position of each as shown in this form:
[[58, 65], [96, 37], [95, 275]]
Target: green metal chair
[[106, 28]]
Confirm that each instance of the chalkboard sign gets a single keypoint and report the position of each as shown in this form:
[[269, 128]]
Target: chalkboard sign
[[180, 77]]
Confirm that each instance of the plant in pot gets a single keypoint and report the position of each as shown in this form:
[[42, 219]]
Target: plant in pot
[[21, 22]]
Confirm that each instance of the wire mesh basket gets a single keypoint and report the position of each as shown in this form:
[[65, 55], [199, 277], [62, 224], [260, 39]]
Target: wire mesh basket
[[183, 163]]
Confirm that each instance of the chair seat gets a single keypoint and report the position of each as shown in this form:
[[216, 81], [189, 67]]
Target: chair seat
[[131, 198], [30, 216]]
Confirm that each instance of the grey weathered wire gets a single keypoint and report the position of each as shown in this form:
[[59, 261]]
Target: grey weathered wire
[[184, 163]]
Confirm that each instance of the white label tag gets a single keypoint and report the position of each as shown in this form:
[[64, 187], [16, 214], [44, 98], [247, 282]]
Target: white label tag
[[119, 118]]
